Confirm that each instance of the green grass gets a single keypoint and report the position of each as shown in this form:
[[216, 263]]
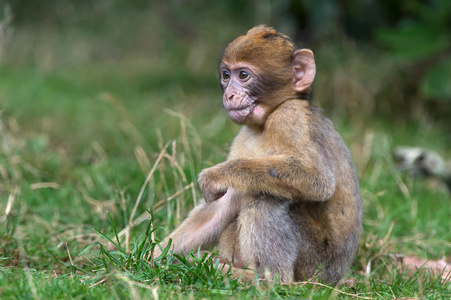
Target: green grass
[[77, 142]]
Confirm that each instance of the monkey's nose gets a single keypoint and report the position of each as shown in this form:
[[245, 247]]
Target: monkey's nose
[[230, 96]]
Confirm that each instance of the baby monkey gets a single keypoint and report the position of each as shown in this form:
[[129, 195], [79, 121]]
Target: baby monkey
[[287, 198]]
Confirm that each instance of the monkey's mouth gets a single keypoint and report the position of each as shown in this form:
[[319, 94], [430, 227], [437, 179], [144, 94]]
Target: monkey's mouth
[[239, 115]]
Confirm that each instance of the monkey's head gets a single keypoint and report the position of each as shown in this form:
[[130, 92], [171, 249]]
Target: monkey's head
[[261, 70]]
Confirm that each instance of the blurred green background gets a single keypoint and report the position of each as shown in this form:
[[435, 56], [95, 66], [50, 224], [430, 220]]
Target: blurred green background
[[385, 59], [382, 60]]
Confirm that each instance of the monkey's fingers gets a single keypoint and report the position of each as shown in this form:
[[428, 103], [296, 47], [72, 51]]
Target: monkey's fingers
[[213, 196], [219, 195]]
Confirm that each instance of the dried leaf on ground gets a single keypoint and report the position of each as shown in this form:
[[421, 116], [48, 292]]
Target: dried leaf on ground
[[438, 267]]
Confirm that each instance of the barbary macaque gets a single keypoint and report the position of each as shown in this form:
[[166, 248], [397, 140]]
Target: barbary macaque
[[287, 199]]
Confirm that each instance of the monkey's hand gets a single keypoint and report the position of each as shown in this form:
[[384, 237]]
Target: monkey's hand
[[211, 185]]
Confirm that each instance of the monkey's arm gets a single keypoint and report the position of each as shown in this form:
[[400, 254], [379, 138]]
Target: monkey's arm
[[282, 176]]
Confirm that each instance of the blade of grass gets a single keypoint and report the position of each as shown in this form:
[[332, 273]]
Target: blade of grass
[[141, 192], [115, 230]]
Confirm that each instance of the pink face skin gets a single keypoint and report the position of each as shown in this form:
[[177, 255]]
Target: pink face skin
[[237, 81]]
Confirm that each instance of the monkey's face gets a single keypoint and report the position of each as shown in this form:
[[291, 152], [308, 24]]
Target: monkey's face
[[241, 92], [261, 70]]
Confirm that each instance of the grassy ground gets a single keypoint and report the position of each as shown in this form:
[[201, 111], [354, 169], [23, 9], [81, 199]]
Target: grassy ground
[[90, 147]]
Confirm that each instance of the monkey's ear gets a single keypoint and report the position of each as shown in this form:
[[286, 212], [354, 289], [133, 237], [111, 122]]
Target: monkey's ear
[[304, 69]]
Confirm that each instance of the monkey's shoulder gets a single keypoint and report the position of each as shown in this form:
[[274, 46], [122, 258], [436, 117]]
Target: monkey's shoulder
[[289, 129], [298, 121], [296, 114]]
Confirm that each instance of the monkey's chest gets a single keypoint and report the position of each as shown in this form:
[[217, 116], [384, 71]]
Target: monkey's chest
[[247, 146]]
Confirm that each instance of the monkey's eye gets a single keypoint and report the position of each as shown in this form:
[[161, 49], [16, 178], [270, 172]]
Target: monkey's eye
[[225, 75], [243, 75]]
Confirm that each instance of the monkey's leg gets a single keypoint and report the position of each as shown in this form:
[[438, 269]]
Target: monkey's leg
[[269, 237], [204, 224], [230, 255]]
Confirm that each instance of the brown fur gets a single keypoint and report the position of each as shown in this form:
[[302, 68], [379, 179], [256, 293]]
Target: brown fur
[[293, 203]]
